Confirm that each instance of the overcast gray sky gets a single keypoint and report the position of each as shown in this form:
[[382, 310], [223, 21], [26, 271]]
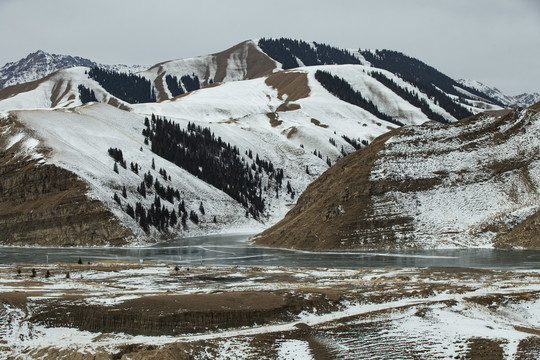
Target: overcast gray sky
[[493, 41]]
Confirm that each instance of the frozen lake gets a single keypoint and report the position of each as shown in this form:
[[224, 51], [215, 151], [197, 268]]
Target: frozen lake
[[235, 250]]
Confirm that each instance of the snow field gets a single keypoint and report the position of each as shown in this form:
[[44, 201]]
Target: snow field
[[470, 196]]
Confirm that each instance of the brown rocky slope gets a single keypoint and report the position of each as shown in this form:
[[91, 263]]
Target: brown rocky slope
[[43, 204], [472, 183]]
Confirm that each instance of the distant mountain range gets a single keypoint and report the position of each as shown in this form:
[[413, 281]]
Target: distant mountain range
[[522, 100], [216, 143], [39, 64]]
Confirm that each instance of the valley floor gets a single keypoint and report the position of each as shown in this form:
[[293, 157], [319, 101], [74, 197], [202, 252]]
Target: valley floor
[[138, 311]]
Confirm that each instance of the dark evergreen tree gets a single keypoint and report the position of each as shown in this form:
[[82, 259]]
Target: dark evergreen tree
[[130, 211], [287, 51], [193, 217], [117, 199], [128, 87], [191, 83], [198, 151], [141, 189], [174, 218], [414, 99], [86, 95], [201, 208], [175, 87]]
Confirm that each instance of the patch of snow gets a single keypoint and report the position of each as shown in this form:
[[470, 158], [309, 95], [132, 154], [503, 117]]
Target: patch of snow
[[293, 349]]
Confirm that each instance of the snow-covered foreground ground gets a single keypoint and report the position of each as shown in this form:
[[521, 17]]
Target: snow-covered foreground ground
[[132, 311]]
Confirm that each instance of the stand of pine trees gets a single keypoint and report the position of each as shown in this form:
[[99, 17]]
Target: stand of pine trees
[[425, 78], [286, 51], [86, 95], [131, 88], [357, 145], [190, 83], [199, 152], [158, 214], [409, 96], [343, 90]]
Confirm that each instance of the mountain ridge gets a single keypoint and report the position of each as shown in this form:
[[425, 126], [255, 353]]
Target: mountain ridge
[[281, 128], [40, 64], [521, 100]]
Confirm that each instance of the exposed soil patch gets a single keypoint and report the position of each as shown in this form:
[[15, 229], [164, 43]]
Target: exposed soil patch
[[161, 93], [274, 119], [526, 234], [57, 94], [290, 133], [293, 85], [480, 349], [176, 314], [257, 63], [318, 123], [288, 107]]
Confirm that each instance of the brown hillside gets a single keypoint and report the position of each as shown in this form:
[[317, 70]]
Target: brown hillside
[[333, 205], [42, 204], [535, 107], [258, 63], [290, 83]]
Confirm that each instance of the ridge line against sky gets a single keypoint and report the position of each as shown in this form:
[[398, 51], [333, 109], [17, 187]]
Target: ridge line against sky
[[496, 42]]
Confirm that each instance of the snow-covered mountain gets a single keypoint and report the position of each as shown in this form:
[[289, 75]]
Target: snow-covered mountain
[[522, 100], [474, 183], [39, 64], [273, 115]]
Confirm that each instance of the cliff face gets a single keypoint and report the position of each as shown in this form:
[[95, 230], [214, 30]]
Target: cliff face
[[43, 204], [473, 183]]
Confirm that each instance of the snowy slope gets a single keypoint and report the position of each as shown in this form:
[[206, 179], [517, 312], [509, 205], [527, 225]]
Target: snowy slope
[[481, 189], [56, 91], [243, 61], [79, 140], [238, 112]]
